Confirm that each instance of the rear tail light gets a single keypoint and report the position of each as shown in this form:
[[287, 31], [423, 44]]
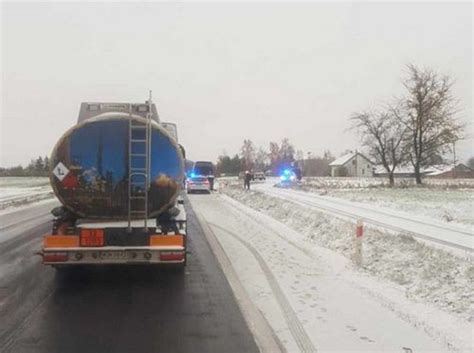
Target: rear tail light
[[55, 257], [172, 256]]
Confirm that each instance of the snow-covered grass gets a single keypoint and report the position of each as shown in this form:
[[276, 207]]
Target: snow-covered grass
[[317, 183], [447, 205], [445, 200], [18, 191], [427, 274]]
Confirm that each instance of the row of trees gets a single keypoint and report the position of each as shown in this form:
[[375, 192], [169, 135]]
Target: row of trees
[[37, 167], [252, 157], [318, 165], [274, 158], [417, 129]]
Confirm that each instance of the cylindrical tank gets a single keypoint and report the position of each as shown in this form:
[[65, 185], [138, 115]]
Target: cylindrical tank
[[90, 168]]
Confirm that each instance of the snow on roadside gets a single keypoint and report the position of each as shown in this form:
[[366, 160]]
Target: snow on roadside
[[318, 183], [427, 274], [19, 191], [447, 205]]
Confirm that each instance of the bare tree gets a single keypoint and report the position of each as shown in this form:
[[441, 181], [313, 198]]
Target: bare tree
[[299, 155], [470, 162], [287, 151], [318, 166], [261, 159], [429, 114], [384, 135], [247, 152], [274, 155]]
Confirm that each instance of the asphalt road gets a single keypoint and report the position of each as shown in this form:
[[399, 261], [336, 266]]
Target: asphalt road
[[115, 309]]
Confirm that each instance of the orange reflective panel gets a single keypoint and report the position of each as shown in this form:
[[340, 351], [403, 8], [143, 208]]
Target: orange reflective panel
[[60, 241], [92, 237]]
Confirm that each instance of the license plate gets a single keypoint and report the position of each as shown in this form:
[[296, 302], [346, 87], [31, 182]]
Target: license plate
[[122, 255], [114, 255]]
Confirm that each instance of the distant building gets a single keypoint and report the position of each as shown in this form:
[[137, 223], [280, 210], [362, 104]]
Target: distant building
[[461, 171], [440, 171], [404, 171], [353, 164]]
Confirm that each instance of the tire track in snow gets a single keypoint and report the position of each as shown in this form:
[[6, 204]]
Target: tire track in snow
[[296, 328]]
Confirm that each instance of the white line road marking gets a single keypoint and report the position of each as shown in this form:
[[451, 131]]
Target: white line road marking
[[297, 330]]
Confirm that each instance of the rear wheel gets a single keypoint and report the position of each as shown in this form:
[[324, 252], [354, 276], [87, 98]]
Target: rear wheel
[[177, 268], [65, 273], [181, 268]]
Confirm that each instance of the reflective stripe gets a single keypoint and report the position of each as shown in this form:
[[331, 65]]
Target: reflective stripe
[[167, 240], [60, 241]]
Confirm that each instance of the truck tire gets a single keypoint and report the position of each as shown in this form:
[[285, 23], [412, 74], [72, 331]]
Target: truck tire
[[62, 272], [178, 268]]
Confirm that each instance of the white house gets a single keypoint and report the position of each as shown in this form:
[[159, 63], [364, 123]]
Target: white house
[[353, 164]]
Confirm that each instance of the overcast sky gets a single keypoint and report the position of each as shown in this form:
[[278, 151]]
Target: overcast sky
[[223, 72]]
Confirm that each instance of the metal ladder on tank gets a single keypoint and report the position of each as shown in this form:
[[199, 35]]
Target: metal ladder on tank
[[138, 203]]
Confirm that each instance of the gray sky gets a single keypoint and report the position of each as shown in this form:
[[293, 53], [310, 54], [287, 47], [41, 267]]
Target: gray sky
[[223, 72]]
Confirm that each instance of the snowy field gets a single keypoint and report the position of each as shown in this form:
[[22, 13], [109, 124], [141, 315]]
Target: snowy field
[[446, 200], [318, 183], [19, 191], [447, 205], [427, 274]]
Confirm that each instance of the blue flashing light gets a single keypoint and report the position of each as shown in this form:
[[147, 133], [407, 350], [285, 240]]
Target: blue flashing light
[[287, 175]]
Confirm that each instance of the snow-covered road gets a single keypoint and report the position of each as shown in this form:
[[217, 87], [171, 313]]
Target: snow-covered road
[[18, 191], [312, 298], [457, 237], [17, 220]]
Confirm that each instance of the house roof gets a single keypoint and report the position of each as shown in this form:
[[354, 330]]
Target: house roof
[[346, 158], [343, 159]]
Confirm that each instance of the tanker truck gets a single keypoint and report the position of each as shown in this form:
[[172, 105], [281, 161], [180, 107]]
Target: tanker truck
[[118, 174]]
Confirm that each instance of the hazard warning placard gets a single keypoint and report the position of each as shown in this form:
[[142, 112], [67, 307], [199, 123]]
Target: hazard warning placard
[[60, 171]]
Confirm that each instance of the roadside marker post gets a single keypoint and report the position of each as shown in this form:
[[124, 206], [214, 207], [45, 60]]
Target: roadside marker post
[[358, 242], [359, 228]]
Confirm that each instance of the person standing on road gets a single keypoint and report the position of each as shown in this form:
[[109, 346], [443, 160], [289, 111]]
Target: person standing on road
[[247, 178], [298, 173]]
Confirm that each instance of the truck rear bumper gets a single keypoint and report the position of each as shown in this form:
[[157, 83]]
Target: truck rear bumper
[[114, 255]]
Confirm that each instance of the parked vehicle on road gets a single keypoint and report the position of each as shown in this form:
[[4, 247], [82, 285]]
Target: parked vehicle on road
[[206, 169], [118, 174], [259, 176], [198, 184]]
